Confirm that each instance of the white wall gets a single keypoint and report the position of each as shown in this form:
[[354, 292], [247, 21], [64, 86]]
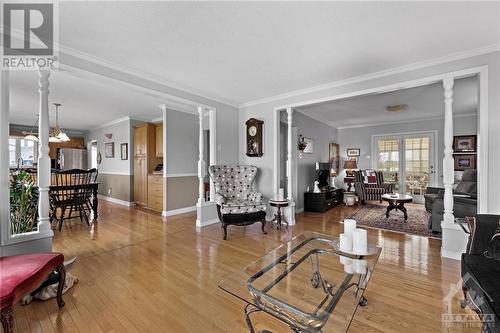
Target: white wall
[[182, 142], [361, 137], [264, 111]]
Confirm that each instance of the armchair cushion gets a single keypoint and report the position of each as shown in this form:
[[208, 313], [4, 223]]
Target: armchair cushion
[[369, 176], [242, 206], [220, 199]]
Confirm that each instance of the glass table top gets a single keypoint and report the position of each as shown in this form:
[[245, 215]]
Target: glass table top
[[308, 283]]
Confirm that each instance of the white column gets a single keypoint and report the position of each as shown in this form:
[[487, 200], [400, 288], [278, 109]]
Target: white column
[[290, 213], [213, 149], [4, 157], [163, 108], [289, 156], [448, 165], [44, 176], [201, 161]]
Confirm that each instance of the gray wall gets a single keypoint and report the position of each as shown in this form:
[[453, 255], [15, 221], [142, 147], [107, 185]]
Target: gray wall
[[115, 174], [322, 135], [361, 137], [182, 142], [264, 111]]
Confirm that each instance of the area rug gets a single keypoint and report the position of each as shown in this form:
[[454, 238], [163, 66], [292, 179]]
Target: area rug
[[373, 216]]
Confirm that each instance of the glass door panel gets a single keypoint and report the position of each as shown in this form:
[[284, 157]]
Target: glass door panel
[[388, 160]]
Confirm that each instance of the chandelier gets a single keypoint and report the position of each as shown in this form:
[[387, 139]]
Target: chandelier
[[56, 134]]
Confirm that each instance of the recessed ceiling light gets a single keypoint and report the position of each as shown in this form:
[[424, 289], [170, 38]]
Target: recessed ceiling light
[[396, 108]]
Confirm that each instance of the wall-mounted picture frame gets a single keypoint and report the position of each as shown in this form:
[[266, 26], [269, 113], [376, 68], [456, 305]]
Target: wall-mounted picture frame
[[109, 150], [464, 162], [351, 152], [464, 143], [309, 146], [124, 151], [333, 157], [99, 158]]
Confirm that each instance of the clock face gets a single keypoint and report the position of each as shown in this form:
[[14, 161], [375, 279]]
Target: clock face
[[252, 130]]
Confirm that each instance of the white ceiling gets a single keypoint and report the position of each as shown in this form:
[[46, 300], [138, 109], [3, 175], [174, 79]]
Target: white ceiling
[[242, 51], [424, 102]]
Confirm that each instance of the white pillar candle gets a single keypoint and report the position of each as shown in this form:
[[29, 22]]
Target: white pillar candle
[[345, 260], [349, 269], [281, 194], [349, 226], [360, 241], [345, 242]]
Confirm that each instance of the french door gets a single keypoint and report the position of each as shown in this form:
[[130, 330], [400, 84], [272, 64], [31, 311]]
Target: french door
[[407, 160]]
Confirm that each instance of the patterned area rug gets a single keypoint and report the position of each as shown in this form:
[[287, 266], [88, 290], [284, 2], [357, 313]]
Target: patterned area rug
[[373, 216]]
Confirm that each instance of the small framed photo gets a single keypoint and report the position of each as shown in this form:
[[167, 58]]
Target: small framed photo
[[465, 161], [464, 143], [353, 152], [354, 158], [124, 151], [309, 149], [109, 150]]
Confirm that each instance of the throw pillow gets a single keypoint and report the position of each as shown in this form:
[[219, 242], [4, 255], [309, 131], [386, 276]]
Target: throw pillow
[[493, 251], [369, 176]]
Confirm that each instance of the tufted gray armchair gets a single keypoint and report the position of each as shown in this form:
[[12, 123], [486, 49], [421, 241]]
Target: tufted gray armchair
[[237, 202]]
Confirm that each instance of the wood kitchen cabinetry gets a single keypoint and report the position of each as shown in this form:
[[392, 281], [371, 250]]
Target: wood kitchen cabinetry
[[146, 191], [159, 140]]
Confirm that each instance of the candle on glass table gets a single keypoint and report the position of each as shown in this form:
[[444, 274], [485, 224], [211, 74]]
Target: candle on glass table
[[349, 226], [360, 241], [345, 242]]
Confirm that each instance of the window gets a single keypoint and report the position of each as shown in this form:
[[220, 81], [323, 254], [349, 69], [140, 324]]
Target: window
[[22, 148]]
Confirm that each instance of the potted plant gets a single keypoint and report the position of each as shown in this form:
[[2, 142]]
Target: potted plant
[[23, 203]]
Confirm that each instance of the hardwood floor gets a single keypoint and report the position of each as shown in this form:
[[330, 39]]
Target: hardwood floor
[[139, 273]]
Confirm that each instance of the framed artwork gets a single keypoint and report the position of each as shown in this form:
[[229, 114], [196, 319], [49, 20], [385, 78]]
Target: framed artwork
[[464, 143], [465, 161], [124, 151], [309, 149], [109, 150], [354, 158], [333, 157], [353, 152]]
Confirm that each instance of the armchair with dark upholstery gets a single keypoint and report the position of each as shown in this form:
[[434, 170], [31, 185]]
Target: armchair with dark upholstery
[[371, 191], [480, 274], [237, 202], [464, 200]]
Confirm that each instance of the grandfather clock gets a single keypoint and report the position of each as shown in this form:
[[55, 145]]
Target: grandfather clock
[[255, 145]]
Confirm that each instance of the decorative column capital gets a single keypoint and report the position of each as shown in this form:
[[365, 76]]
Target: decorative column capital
[[163, 107]]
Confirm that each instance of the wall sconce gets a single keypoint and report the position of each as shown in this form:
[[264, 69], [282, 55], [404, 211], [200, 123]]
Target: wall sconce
[[302, 144], [108, 135]]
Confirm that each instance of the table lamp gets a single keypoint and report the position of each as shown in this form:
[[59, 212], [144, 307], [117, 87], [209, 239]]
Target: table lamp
[[333, 174], [349, 165]]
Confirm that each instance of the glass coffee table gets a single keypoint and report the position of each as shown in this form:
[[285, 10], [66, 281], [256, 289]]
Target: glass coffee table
[[307, 283]]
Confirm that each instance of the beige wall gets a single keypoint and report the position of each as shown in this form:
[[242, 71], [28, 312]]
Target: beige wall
[[182, 192], [116, 186]]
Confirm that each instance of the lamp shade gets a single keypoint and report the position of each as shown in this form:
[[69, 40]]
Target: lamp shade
[[350, 164]]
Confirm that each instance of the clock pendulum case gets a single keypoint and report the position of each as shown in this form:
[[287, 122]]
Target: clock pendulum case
[[254, 137]]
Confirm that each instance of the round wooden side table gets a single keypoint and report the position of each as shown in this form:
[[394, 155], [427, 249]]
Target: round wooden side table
[[278, 217]]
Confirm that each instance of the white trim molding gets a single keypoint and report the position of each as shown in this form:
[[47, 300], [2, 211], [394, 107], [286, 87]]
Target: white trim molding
[[116, 201], [178, 211], [200, 224], [375, 75], [113, 122], [176, 175]]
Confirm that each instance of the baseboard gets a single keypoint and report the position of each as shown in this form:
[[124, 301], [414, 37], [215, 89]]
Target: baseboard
[[178, 211], [116, 201], [298, 210], [451, 254], [205, 223]]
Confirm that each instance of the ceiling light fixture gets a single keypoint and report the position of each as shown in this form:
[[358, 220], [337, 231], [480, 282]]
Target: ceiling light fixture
[[31, 134], [56, 134], [396, 107]]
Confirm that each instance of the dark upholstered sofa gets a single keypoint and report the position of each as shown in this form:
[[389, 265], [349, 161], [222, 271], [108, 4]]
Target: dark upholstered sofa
[[464, 200], [481, 275]]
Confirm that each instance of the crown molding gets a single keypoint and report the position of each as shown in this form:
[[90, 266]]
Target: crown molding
[[139, 74], [388, 72], [113, 122], [374, 124]]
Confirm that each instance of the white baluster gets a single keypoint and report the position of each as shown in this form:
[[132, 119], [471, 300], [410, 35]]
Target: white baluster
[[163, 108], [201, 161], [4, 157], [289, 156], [448, 165], [44, 175]]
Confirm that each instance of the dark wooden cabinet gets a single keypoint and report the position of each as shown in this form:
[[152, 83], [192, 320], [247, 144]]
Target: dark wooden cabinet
[[321, 202]]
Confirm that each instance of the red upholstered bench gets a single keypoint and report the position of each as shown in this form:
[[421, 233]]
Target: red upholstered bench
[[22, 274]]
